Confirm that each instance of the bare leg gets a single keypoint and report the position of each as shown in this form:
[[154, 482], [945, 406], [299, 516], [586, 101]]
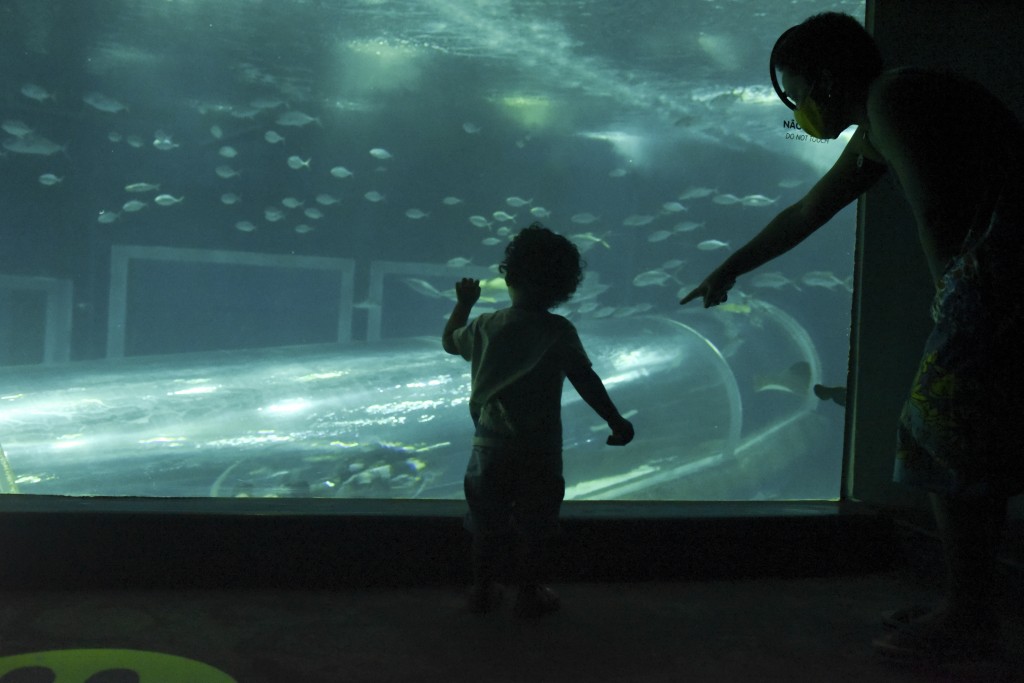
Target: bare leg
[[967, 626], [971, 531]]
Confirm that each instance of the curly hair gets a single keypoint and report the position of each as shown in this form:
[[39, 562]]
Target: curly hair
[[546, 264], [829, 41]]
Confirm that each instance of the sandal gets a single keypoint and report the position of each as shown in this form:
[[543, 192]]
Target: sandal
[[898, 618], [484, 598], [536, 601], [924, 642]]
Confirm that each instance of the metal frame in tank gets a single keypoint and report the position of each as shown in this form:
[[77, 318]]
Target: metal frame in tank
[[122, 255], [57, 332]]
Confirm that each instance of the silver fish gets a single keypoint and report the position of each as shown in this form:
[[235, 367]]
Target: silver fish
[[133, 205], [32, 144], [16, 128], [651, 277], [141, 187], [341, 172], [296, 163], [49, 179], [695, 193], [757, 200], [303, 229], [36, 92], [637, 220], [451, 201], [502, 216], [325, 199], [296, 119], [771, 280], [167, 200], [103, 103], [416, 214], [374, 196], [230, 198], [273, 137], [712, 245], [228, 152], [422, 287], [245, 226], [518, 201], [479, 221], [226, 172], [726, 199], [584, 218], [314, 213], [380, 153]]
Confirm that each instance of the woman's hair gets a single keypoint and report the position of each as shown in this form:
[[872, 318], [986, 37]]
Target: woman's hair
[[829, 41], [544, 263]]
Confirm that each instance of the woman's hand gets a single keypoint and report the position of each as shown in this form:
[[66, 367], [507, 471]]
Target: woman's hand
[[714, 289]]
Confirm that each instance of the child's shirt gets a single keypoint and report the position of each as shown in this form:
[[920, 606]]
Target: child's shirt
[[519, 361]]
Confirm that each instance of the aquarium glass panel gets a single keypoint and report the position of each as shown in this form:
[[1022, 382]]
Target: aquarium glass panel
[[232, 228]]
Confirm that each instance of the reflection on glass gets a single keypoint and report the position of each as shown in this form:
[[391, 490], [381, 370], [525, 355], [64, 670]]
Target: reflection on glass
[[231, 232]]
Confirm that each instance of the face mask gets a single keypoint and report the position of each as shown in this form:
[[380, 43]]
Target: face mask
[[808, 116]]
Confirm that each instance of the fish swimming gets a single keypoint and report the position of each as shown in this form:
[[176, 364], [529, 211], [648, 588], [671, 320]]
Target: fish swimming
[[638, 220], [103, 103], [32, 144], [49, 179], [16, 128], [168, 200], [273, 137], [652, 277], [712, 245], [380, 153], [36, 92], [518, 201], [416, 214], [422, 287], [479, 221], [141, 187], [341, 172], [296, 163], [726, 199], [296, 119], [584, 218], [374, 196]]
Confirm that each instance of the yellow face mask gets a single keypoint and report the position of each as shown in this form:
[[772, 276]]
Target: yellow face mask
[[808, 116]]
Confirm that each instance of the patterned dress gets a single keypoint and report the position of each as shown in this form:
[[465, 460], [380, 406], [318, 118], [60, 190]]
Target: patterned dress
[[961, 431]]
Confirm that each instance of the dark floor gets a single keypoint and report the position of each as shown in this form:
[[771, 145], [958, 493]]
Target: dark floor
[[791, 630]]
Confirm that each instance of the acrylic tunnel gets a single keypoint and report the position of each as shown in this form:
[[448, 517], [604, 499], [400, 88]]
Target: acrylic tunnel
[[717, 417]]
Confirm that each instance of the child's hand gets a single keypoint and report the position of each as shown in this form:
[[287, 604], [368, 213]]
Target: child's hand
[[467, 290], [622, 431]]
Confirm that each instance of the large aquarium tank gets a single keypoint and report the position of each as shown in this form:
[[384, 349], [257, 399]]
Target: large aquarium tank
[[231, 231]]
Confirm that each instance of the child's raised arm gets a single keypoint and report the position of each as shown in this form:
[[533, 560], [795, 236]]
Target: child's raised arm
[[467, 292], [591, 389]]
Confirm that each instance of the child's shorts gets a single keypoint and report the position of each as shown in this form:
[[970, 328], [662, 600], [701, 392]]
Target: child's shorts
[[510, 489]]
